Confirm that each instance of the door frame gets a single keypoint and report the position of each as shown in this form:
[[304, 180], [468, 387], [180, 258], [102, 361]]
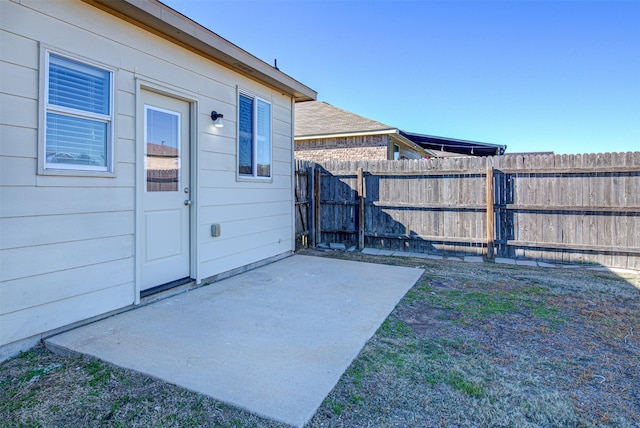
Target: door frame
[[193, 100]]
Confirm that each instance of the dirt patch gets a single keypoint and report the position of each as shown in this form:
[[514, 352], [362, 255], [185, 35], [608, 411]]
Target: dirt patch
[[469, 345]]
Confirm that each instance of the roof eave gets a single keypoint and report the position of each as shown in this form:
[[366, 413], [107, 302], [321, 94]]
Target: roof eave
[[170, 24], [347, 134], [398, 136]]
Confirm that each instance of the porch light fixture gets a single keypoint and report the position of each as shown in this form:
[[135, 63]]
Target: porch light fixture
[[217, 119]]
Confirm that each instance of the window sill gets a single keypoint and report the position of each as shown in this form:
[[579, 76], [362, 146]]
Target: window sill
[[76, 173], [254, 179]]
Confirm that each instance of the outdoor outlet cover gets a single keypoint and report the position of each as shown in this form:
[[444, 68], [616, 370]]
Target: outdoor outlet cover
[[215, 230]]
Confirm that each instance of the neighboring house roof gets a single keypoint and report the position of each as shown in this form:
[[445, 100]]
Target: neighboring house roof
[[317, 119], [159, 150], [174, 26]]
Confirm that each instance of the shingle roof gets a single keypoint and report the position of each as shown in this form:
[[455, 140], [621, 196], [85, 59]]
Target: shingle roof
[[161, 150], [320, 118], [317, 118]]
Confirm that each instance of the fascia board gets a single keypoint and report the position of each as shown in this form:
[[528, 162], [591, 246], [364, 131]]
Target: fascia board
[[402, 139], [169, 23], [346, 134]]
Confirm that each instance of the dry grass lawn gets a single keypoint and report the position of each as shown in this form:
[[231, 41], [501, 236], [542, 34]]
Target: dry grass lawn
[[470, 345]]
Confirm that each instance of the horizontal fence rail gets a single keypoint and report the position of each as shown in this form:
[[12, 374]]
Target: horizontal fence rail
[[564, 208]]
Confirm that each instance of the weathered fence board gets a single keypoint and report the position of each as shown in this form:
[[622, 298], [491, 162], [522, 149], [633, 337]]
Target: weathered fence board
[[302, 211], [571, 208]]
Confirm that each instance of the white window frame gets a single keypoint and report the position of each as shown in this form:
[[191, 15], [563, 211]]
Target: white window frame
[[254, 139], [45, 107]]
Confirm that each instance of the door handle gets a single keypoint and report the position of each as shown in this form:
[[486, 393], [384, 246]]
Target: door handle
[[188, 202]]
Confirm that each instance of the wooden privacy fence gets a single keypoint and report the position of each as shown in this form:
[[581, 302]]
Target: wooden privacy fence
[[566, 208]]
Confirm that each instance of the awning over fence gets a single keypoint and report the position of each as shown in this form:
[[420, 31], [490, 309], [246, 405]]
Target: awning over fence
[[452, 145]]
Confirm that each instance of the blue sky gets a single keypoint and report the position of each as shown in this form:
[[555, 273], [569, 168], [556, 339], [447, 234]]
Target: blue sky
[[561, 76]]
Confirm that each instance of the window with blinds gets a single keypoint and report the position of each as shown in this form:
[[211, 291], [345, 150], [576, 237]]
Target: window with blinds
[[245, 129], [254, 137], [263, 139], [78, 118]]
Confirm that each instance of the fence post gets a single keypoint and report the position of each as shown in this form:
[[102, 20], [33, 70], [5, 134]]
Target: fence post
[[316, 206], [311, 231], [361, 196], [490, 214]]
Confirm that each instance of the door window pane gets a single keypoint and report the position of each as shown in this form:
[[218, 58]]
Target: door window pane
[[162, 158]]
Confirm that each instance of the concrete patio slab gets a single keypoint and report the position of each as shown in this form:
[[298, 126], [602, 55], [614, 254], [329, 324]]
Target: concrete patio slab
[[546, 265], [274, 340], [412, 254], [386, 253], [337, 246], [530, 263], [370, 251]]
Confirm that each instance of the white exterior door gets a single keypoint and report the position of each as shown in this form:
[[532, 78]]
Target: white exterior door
[[166, 191]]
